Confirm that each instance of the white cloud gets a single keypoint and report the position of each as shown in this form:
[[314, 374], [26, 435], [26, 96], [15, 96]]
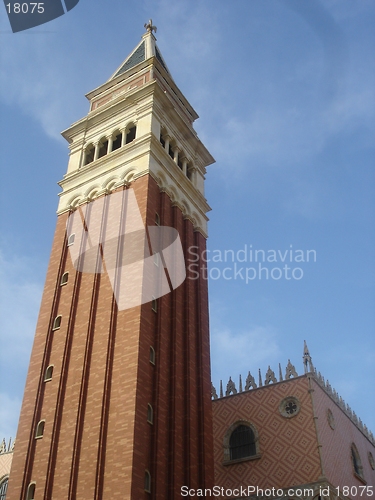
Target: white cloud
[[233, 354], [37, 77]]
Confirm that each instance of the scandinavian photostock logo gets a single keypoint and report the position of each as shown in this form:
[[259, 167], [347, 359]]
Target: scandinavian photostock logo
[[25, 15], [142, 263]]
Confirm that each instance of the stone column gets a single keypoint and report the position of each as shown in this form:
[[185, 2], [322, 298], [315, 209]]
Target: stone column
[[123, 138], [110, 144], [184, 165], [96, 154], [176, 150], [166, 145]]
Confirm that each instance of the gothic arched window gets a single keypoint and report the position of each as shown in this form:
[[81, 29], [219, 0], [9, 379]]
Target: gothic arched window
[[241, 442], [356, 461], [3, 488]]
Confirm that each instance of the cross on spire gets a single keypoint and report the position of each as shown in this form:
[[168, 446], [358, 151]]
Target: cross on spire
[[149, 27]]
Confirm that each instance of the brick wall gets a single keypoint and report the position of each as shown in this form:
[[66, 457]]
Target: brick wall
[[97, 442], [336, 444]]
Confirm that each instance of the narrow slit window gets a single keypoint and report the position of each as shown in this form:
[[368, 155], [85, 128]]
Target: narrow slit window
[[152, 355], [154, 305], [147, 481], [156, 259], [57, 323], [30, 492], [49, 373], [150, 414], [64, 279], [40, 429], [356, 461], [71, 239], [157, 219]]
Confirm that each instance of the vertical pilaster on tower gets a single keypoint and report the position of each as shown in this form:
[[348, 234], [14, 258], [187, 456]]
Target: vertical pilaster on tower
[[307, 361]]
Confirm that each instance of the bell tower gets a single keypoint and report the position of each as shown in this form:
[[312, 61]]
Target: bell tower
[[117, 399]]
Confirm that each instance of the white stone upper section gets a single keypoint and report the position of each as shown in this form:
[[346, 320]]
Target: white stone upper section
[[139, 123]]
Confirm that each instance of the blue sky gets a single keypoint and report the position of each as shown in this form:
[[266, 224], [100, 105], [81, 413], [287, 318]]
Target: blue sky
[[285, 94]]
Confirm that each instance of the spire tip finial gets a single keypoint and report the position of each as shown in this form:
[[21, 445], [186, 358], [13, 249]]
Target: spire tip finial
[[149, 27], [307, 361]]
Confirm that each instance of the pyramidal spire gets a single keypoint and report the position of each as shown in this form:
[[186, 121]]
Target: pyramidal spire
[[146, 49], [142, 69], [307, 362]]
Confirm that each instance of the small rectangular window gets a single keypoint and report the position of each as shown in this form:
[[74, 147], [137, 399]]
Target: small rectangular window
[[154, 305]]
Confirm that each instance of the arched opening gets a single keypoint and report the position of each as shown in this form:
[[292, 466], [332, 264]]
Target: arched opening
[[4, 487], [103, 147], [117, 140], [150, 414], [49, 373], [64, 278], [170, 151], [130, 134], [30, 495], [89, 154], [57, 322], [242, 443], [71, 239], [356, 461], [147, 481], [152, 355], [40, 429]]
